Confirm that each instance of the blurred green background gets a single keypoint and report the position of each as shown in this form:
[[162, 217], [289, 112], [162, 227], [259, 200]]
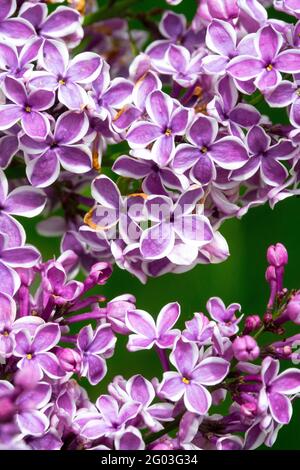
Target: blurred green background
[[239, 279]]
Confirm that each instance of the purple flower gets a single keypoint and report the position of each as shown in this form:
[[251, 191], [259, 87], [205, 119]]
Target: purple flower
[[264, 157], [178, 62], [191, 377], [57, 287], [198, 330], [112, 418], [17, 64], [9, 324], [16, 30], [26, 108], [284, 94], [34, 351], [129, 439], [24, 201], [62, 147], [275, 388], [92, 346], [225, 108], [60, 24], [155, 178], [147, 333], [29, 405], [227, 321], [67, 77], [175, 227], [204, 151], [168, 120], [270, 62]]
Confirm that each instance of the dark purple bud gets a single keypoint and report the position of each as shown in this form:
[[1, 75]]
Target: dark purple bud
[[69, 359], [277, 255], [99, 274], [252, 323], [245, 348], [268, 318]]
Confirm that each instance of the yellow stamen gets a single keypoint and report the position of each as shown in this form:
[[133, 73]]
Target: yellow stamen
[[28, 109], [29, 356], [185, 381], [269, 68], [198, 90], [204, 150], [168, 132], [5, 333]]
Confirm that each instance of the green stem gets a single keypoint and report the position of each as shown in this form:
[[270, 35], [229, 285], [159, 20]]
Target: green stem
[[118, 9]]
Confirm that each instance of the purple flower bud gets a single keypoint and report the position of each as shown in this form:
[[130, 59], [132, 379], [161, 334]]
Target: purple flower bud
[[293, 309], [270, 274], [252, 323], [245, 348], [277, 255], [69, 359]]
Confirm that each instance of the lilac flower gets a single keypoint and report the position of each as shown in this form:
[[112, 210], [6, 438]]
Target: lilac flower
[[63, 23], [227, 321], [109, 95], [191, 377], [16, 30], [270, 62], [29, 404], [175, 226], [57, 287], [198, 330], [9, 324], [264, 157], [63, 147], [179, 63], [225, 108], [285, 94], [275, 388], [67, 77], [17, 64], [155, 178], [35, 352], [24, 201], [92, 346], [147, 333], [26, 108], [167, 121], [112, 418], [204, 151]]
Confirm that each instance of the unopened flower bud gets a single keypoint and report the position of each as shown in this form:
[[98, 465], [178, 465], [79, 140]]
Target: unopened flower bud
[[69, 359], [245, 348], [116, 311], [252, 323], [277, 255]]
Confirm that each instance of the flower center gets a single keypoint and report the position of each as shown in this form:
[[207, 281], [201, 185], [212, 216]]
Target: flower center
[[168, 132], [5, 333], [298, 92], [269, 67], [28, 109], [61, 82], [204, 150], [185, 380], [29, 356]]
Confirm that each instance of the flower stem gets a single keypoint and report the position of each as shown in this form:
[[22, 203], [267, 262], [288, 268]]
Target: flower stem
[[118, 9]]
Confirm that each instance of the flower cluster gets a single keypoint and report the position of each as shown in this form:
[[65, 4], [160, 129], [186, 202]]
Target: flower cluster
[[175, 122], [216, 356], [136, 146]]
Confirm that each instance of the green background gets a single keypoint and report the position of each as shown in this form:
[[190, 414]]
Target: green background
[[239, 279]]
